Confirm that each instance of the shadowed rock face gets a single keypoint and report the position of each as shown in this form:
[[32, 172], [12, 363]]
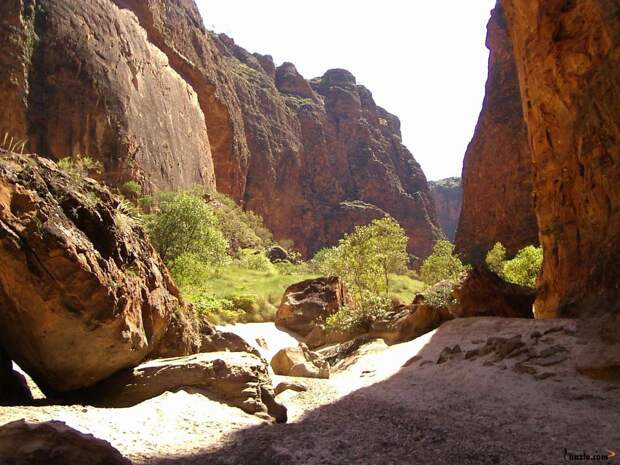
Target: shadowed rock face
[[498, 204], [314, 158], [80, 77], [568, 57], [448, 197]]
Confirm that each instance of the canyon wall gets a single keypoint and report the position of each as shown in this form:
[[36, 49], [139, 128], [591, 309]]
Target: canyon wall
[[568, 58], [448, 197], [498, 203], [313, 158], [142, 87], [80, 77]]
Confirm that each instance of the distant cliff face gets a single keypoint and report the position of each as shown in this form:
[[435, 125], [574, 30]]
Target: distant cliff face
[[498, 204], [80, 77], [568, 56], [448, 197], [314, 158]]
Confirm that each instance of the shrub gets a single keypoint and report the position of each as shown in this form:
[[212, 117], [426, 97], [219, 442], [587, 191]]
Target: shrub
[[360, 315], [185, 223], [325, 261], [131, 190], [189, 270], [255, 260], [496, 258], [242, 229], [442, 264], [80, 166], [524, 268], [440, 295]]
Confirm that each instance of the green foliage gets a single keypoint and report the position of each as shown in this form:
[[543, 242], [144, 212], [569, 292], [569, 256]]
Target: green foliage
[[440, 295], [80, 166], [131, 190], [367, 257], [255, 260], [189, 270], [524, 268], [243, 229], [442, 264], [184, 223], [360, 315], [495, 259]]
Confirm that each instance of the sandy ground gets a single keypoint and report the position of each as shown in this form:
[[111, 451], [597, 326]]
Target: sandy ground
[[478, 410]]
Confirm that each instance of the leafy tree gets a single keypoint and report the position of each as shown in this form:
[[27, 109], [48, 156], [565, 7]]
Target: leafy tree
[[442, 264], [524, 268], [366, 257], [184, 223], [496, 258]]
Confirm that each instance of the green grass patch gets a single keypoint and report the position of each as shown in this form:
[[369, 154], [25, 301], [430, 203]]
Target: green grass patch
[[404, 288]]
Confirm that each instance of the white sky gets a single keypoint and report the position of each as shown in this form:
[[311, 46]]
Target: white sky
[[423, 60]]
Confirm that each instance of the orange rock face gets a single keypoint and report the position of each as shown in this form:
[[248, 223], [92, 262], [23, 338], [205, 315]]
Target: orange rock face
[[568, 57], [498, 203], [314, 158], [81, 77]]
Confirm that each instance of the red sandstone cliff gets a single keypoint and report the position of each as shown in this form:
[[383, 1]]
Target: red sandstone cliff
[[144, 88], [80, 77], [314, 158], [497, 171], [448, 197], [568, 57]]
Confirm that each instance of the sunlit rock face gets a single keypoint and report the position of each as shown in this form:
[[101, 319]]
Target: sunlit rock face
[[80, 77], [498, 205], [314, 158], [568, 58]]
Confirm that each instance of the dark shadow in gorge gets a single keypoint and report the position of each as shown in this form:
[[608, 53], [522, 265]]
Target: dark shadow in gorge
[[460, 412]]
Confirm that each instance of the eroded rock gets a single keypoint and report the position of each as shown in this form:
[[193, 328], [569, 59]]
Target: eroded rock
[[568, 58], [306, 304], [483, 293], [54, 442], [83, 293], [299, 362], [448, 197], [236, 378]]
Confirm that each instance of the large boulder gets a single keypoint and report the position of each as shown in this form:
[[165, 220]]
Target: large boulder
[[299, 362], [14, 388], [54, 442], [307, 304], [406, 322], [483, 293], [235, 378], [82, 291]]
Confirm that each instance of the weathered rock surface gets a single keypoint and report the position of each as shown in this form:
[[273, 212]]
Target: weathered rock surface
[[324, 157], [306, 304], [54, 442], [13, 386], [568, 58], [483, 293], [448, 197], [83, 293], [235, 378], [498, 204], [81, 78], [299, 362], [406, 322]]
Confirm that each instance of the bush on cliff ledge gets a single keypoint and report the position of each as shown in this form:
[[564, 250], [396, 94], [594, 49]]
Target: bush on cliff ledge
[[522, 269]]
